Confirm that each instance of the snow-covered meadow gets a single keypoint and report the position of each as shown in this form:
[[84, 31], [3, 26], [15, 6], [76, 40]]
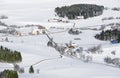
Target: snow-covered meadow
[[34, 48]]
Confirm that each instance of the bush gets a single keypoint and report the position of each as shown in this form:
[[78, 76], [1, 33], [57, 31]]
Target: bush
[[108, 60], [116, 61], [21, 70], [18, 68]]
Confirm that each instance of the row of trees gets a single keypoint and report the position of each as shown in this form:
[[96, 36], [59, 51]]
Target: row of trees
[[95, 49], [109, 35], [9, 56], [85, 10], [114, 61], [3, 17], [110, 18], [9, 30], [9, 74], [116, 9], [3, 24]]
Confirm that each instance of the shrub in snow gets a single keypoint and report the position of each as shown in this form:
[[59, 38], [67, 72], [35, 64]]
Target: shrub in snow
[[96, 49], [87, 58], [21, 70], [116, 61], [16, 67], [38, 71], [79, 50], [50, 44], [113, 52], [108, 60]]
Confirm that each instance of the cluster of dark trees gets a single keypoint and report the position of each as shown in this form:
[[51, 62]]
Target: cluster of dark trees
[[109, 35], [85, 10], [9, 56], [8, 74]]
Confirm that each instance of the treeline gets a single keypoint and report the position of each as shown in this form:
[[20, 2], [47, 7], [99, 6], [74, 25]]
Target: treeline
[[113, 61], [85, 10], [9, 74], [9, 56], [116, 9], [109, 35], [3, 17]]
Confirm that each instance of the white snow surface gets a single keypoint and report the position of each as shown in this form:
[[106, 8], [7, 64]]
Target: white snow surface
[[34, 48]]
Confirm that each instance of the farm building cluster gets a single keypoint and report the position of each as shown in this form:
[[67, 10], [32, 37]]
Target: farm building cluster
[[23, 31]]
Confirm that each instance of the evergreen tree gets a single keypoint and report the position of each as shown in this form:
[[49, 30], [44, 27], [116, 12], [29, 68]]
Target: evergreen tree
[[31, 70]]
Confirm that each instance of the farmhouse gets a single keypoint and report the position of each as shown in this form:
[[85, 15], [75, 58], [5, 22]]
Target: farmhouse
[[20, 33], [38, 31], [79, 17]]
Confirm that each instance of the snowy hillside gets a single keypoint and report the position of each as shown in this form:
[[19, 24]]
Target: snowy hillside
[[26, 11], [34, 48]]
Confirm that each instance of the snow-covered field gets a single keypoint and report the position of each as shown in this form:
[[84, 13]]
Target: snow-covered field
[[34, 48]]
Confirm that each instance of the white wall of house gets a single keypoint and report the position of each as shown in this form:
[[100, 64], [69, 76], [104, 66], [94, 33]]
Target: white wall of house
[[37, 31]]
